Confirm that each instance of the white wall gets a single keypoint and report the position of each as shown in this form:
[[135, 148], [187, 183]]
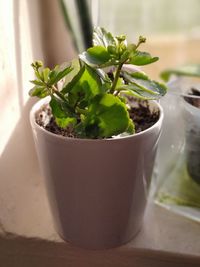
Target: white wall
[[29, 30], [16, 53]]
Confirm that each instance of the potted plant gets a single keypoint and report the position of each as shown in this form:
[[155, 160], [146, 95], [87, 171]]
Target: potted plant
[[189, 91], [96, 133]]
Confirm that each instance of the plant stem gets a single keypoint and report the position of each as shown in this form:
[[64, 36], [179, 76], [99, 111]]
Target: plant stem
[[55, 90], [63, 98], [140, 41], [116, 93], [81, 111], [116, 78]]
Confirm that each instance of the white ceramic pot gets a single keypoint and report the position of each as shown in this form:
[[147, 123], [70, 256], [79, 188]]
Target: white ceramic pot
[[97, 189]]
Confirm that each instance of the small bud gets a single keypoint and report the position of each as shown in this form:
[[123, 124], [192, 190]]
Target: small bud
[[33, 65], [121, 38], [38, 64], [142, 39]]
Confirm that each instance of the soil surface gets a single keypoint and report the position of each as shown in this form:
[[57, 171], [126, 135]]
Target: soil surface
[[140, 113], [193, 141], [45, 119], [143, 116], [192, 100]]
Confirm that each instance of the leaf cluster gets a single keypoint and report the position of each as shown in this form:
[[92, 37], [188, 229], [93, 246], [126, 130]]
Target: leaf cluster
[[83, 95]]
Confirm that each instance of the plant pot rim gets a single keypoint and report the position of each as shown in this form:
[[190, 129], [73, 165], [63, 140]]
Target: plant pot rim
[[45, 100]]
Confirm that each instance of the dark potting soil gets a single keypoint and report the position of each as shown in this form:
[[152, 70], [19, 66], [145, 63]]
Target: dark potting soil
[[45, 119], [193, 165], [140, 113], [193, 141], [192, 149], [143, 116], [192, 100]]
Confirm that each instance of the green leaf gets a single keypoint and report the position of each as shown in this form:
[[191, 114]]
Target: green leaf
[[125, 56], [39, 91], [61, 113], [98, 54], [45, 73], [64, 122], [57, 108], [136, 91], [143, 87], [97, 62], [76, 66], [38, 75], [103, 38], [107, 116], [120, 82], [139, 75], [60, 74], [85, 85], [69, 86], [142, 58], [103, 75], [80, 130], [131, 48], [131, 127], [107, 50], [192, 70], [37, 82], [112, 50], [53, 73]]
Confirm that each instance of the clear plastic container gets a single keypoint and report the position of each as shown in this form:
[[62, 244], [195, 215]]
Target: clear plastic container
[[177, 183]]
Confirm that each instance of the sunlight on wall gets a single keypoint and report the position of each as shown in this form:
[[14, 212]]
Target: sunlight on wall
[[15, 71], [10, 109], [29, 31], [25, 55]]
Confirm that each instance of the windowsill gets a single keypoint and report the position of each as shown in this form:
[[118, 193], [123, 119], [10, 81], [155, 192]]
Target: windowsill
[[27, 234]]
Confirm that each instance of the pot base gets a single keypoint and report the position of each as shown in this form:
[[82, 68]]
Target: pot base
[[97, 246]]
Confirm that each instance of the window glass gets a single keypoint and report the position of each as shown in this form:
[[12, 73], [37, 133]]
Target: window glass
[[172, 28]]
